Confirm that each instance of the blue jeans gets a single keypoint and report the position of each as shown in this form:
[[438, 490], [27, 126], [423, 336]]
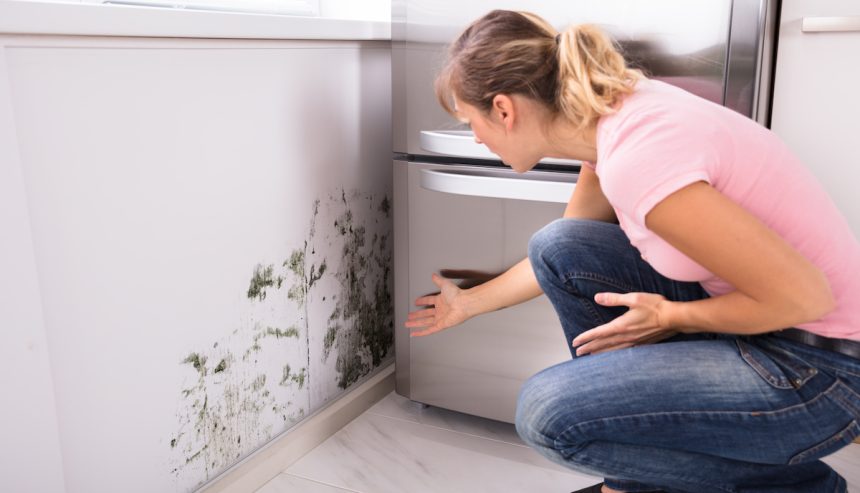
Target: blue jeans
[[695, 413]]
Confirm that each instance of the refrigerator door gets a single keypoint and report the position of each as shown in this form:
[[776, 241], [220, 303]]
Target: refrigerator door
[[712, 48], [463, 217]]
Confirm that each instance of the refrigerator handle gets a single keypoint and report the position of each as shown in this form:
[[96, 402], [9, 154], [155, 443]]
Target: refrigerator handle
[[831, 24], [478, 185]]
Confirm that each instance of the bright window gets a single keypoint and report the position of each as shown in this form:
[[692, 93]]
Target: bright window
[[285, 7]]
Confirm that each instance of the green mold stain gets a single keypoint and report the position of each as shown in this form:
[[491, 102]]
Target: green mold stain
[[278, 333], [230, 415], [261, 279], [286, 378], [296, 262], [199, 362], [289, 377]]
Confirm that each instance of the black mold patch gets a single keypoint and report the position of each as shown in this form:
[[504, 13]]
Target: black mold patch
[[248, 388], [361, 323]]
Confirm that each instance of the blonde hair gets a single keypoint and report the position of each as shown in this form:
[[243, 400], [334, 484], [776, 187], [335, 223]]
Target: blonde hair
[[578, 73]]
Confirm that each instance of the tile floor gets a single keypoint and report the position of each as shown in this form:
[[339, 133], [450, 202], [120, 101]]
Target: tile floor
[[399, 446]]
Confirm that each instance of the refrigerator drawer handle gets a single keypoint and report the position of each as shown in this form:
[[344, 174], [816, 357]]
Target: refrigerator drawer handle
[[454, 143], [496, 187], [831, 24], [462, 143]]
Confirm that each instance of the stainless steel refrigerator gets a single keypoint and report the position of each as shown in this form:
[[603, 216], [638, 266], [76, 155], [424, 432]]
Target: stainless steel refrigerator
[[457, 207]]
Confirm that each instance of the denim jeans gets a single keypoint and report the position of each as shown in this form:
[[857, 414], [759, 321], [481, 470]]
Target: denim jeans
[[694, 413]]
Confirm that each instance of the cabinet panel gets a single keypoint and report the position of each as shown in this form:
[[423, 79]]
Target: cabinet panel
[[815, 108]]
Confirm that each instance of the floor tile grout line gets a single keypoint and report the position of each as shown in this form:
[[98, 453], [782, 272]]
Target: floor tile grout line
[[350, 490], [449, 429]]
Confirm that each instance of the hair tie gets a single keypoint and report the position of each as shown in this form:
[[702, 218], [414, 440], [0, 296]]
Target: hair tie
[[558, 38]]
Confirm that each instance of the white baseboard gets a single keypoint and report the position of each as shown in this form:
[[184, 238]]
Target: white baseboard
[[266, 463]]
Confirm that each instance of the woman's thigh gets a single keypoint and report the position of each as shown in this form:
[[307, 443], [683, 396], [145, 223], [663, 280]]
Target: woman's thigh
[[574, 259], [719, 397]]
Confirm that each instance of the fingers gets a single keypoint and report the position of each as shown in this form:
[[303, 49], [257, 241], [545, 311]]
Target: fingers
[[429, 312], [613, 348], [614, 299], [623, 331], [439, 280], [420, 322], [429, 300]]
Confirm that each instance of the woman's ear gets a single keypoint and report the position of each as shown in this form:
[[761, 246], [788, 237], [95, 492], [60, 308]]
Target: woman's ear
[[503, 110]]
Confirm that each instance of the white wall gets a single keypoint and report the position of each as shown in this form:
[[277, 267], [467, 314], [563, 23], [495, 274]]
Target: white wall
[[30, 459], [152, 177]]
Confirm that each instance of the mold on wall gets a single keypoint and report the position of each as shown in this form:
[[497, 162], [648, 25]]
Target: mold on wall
[[319, 319]]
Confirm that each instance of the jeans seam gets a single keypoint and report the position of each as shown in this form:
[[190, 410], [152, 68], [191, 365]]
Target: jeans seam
[[693, 413], [777, 382], [590, 276], [848, 406], [820, 364], [837, 437], [591, 463], [589, 306]]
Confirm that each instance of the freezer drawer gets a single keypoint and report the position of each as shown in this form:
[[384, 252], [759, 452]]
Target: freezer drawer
[[476, 218]]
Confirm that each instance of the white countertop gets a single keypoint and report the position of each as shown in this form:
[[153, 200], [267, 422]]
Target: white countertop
[[24, 17]]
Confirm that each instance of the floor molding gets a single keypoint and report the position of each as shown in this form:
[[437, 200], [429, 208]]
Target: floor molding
[[252, 473]]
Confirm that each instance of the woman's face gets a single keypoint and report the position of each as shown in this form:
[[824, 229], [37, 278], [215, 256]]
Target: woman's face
[[497, 134]]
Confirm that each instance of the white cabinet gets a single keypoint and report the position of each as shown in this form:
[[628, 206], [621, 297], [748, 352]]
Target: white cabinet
[[479, 367], [816, 110]]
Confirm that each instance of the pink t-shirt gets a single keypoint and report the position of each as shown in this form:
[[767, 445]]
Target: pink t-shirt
[[663, 139]]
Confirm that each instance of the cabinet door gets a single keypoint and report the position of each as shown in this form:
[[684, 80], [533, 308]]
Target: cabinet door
[[479, 366], [815, 108]]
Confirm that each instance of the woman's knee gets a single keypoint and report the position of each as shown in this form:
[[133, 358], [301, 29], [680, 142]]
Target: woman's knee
[[530, 415], [556, 245], [547, 240], [542, 410]]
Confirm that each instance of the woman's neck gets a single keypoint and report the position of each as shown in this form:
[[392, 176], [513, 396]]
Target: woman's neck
[[566, 141]]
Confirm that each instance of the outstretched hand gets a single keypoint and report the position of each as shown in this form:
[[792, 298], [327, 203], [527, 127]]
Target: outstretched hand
[[638, 326], [445, 309]]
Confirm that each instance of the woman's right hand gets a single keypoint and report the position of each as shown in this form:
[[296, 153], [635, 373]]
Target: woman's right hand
[[446, 309]]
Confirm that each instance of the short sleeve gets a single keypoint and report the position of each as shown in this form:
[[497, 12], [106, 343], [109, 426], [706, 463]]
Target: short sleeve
[[650, 159]]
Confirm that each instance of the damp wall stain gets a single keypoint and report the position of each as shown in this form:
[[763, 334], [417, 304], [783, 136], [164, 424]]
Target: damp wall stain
[[248, 386], [361, 326]]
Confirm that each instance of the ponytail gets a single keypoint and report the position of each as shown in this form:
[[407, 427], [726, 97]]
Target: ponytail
[[592, 74], [577, 74]]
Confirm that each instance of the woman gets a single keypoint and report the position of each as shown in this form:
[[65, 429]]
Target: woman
[[691, 226]]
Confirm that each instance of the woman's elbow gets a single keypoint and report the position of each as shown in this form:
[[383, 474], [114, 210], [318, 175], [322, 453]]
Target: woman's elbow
[[818, 299]]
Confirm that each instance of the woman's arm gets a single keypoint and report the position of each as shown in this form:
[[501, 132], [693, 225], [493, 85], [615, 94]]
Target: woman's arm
[[776, 287], [518, 284], [588, 200]]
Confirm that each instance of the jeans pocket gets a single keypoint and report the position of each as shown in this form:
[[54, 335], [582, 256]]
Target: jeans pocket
[[777, 367], [841, 439]]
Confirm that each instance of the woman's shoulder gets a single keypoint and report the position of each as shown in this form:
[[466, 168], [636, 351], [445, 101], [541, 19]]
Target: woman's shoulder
[[657, 111]]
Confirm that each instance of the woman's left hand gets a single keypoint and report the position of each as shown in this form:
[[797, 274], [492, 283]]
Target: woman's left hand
[[640, 325]]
